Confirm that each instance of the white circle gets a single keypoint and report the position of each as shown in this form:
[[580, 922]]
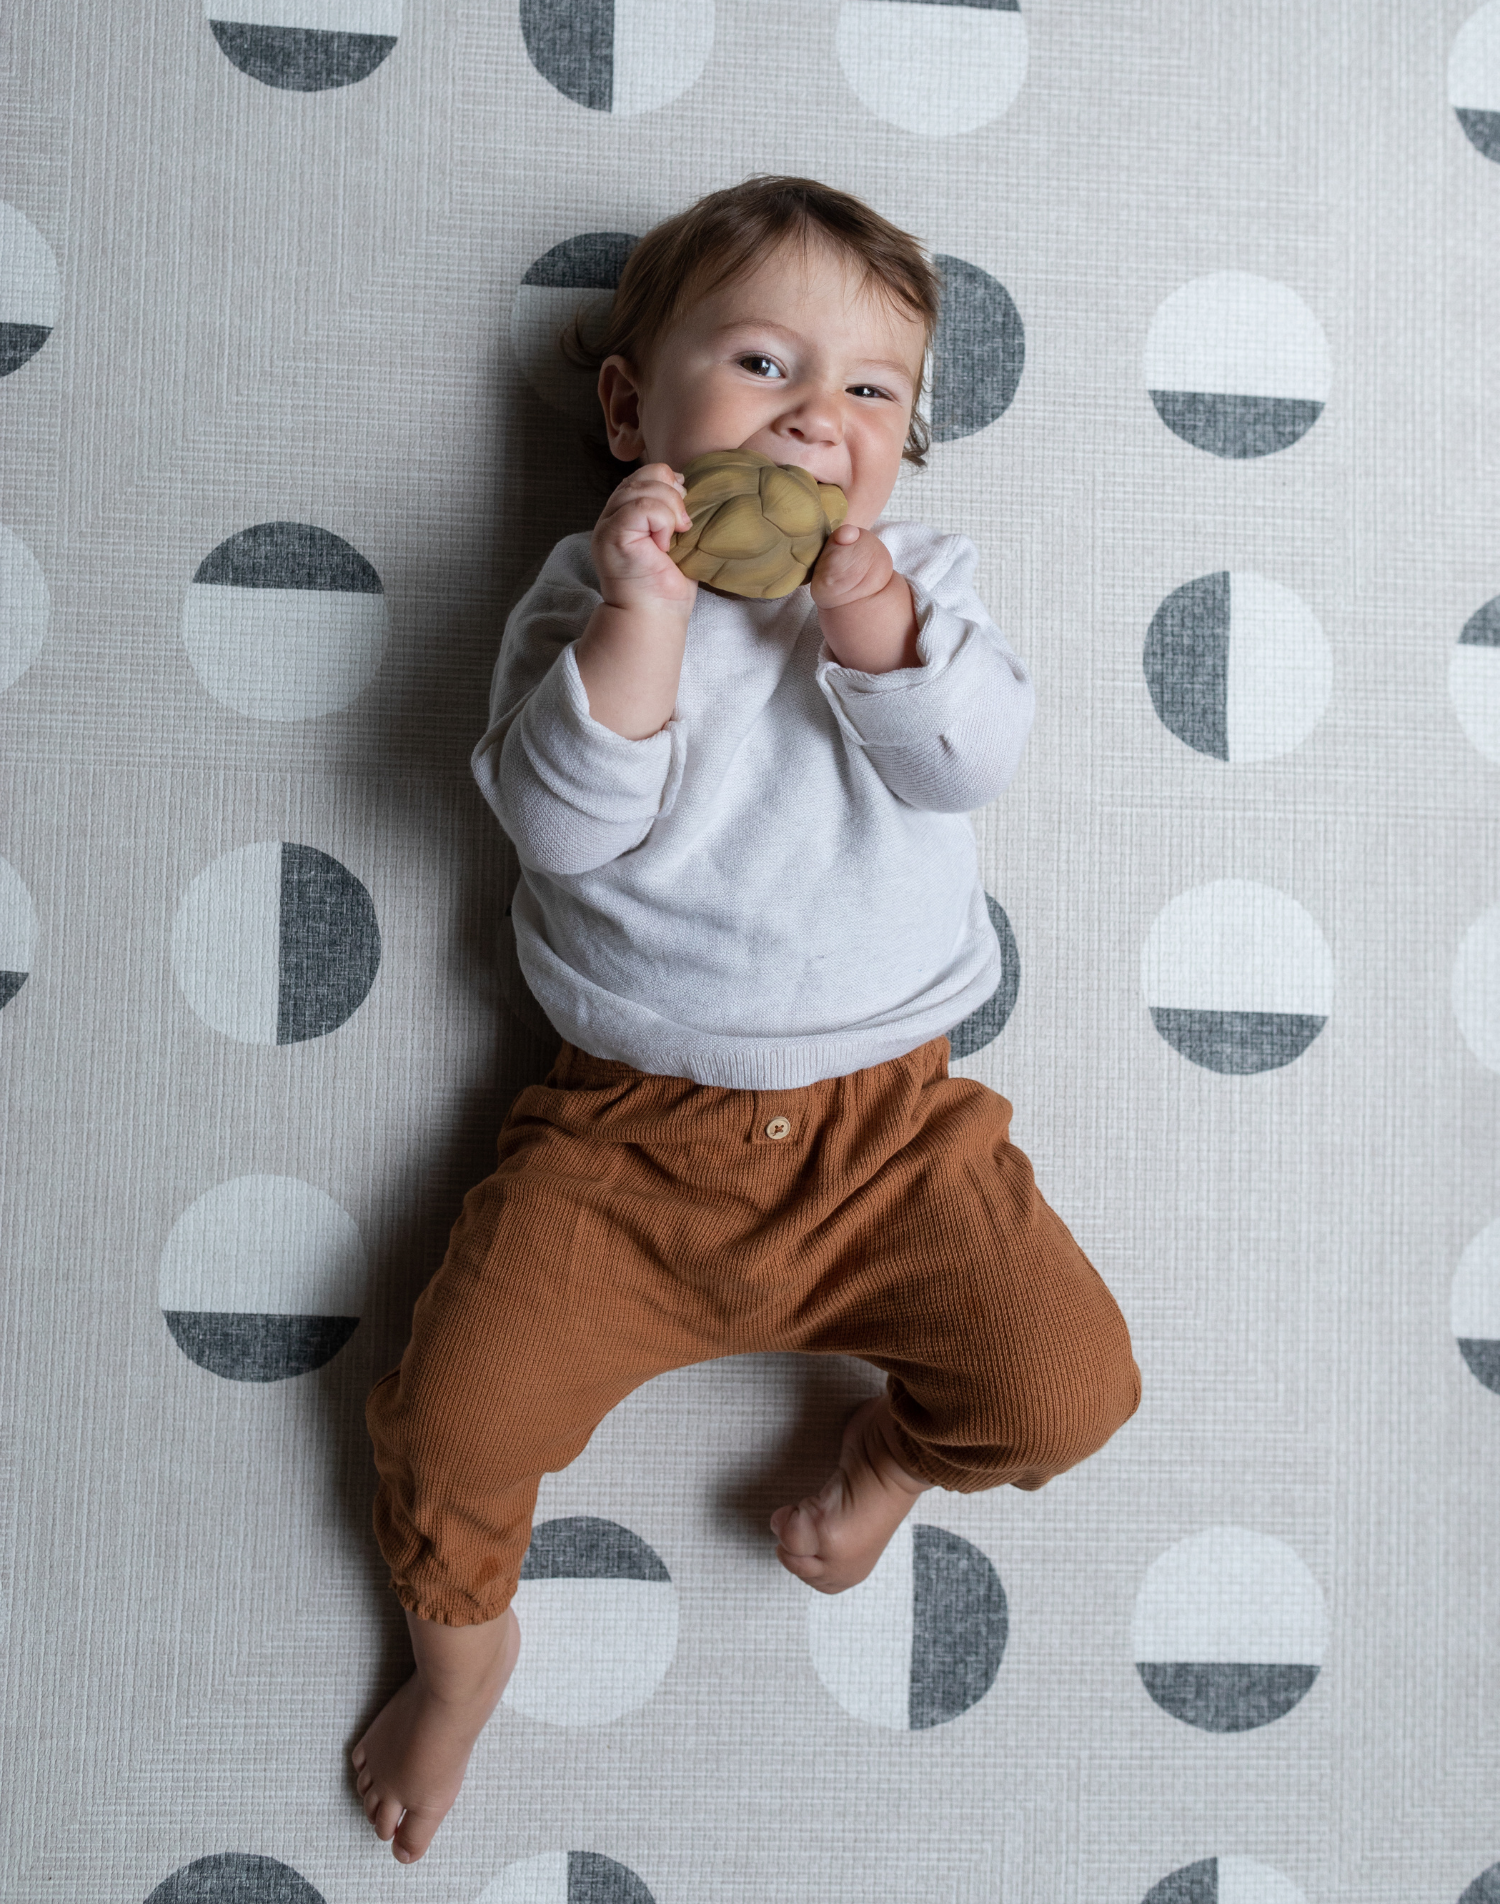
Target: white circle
[[541, 1880], [24, 608], [1474, 62], [18, 922], [861, 1640], [1229, 1594], [226, 943], [1476, 988], [1236, 946], [595, 1648], [935, 70], [30, 284], [1235, 334], [1243, 1881], [1475, 1306], [285, 653], [264, 1245], [538, 316], [1280, 669], [1474, 680], [660, 48]]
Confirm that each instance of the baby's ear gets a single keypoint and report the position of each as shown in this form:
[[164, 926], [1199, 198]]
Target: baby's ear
[[620, 400]]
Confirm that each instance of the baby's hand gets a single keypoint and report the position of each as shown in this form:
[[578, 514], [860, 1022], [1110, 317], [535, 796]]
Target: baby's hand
[[631, 539], [855, 564]]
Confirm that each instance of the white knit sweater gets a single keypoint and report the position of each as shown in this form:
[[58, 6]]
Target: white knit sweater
[[782, 884]]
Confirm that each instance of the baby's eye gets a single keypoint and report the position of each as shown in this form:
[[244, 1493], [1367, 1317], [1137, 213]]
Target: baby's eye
[[761, 366], [867, 390]]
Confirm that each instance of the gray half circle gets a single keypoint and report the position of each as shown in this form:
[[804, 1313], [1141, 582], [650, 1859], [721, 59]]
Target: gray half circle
[[1483, 130], [1188, 1884], [18, 342], [1237, 1042], [590, 261], [1224, 1695], [10, 984], [289, 555], [243, 1347], [1235, 426], [1483, 1360], [1482, 629], [329, 945], [978, 352], [959, 1626], [571, 43], [1486, 1887], [1187, 663], [595, 1879], [301, 59], [585, 1547], [985, 1024], [235, 1877]]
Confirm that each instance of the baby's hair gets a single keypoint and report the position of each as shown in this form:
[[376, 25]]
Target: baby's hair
[[725, 235]]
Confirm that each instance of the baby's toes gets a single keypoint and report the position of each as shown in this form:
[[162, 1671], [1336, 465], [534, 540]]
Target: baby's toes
[[384, 1814], [808, 1568], [796, 1528], [417, 1832]]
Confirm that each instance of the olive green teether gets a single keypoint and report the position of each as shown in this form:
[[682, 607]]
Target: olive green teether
[[758, 526]]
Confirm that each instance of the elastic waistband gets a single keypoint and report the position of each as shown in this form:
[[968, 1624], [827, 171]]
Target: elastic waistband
[[576, 1069]]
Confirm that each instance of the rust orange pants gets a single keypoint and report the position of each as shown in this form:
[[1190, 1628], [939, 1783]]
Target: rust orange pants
[[638, 1223]]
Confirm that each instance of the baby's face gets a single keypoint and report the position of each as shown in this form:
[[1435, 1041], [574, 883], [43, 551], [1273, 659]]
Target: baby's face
[[797, 360]]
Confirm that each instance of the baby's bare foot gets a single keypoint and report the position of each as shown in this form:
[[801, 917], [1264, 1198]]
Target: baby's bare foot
[[833, 1538], [411, 1760]]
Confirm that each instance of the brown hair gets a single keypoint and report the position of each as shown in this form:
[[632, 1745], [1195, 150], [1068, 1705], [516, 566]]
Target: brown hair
[[725, 235]]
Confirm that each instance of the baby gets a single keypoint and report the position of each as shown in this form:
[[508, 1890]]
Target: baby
[[750, 905]]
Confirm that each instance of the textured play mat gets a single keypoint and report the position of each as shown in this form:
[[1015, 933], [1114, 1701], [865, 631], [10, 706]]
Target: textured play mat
[[282, 432]]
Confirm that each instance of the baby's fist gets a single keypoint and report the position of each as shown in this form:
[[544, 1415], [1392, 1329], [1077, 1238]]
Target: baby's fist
[[855, 564]]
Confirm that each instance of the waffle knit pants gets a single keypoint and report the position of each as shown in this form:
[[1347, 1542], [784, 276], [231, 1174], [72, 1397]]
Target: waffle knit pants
[[638, 1223]]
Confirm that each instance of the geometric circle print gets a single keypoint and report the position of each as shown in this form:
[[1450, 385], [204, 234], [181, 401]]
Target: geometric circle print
[[275, 943], [1474, 80], [578, 275], [1476, 988], [933, 69], [262, 1278], [1475, 1308], [24, 607], [566, 1877], [1485, 1889], [600, 1616], [622, 56], [986, 1022], [305, 46], [1237, 976], [977, 353], [30, 289], [919, 1640], [1237, 666], [285, 621], [1236, 365], [1229, 1629], [1474, 676], [18, 930], [1225, 1881], [235, 1877]]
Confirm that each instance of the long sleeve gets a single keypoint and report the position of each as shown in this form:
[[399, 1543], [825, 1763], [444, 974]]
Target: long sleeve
[[571, 793], [945, 737]]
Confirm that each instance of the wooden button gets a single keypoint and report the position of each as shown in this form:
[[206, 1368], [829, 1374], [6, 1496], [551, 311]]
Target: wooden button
[[779, 1127]]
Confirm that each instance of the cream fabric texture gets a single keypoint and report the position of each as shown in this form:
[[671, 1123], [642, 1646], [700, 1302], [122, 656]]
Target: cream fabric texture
[[283, 437], [781, 884]]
